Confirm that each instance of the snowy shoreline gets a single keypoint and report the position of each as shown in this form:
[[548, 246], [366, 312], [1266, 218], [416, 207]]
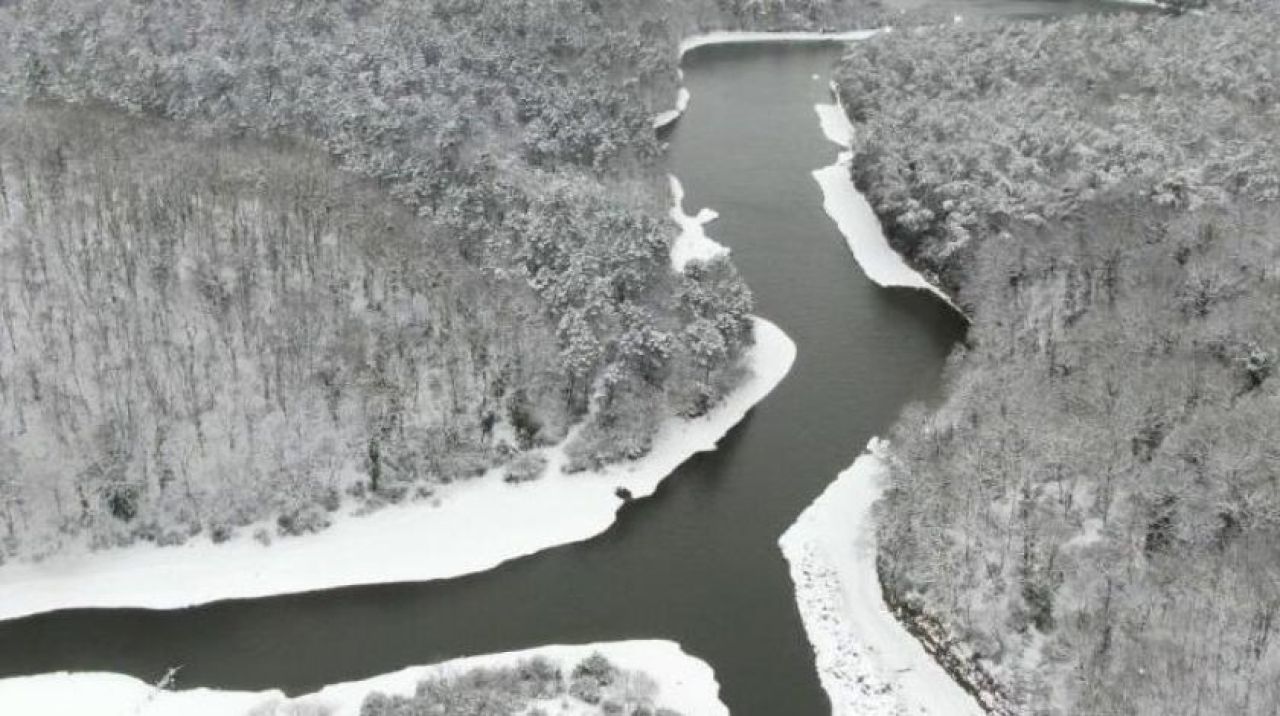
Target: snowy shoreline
[[663, 120], [685, 684], [494, 521], [735, 37], [851, 212], [692, 244], [868, 663]]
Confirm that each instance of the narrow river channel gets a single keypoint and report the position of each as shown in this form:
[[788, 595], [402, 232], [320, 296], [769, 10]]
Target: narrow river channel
[[698, 562]]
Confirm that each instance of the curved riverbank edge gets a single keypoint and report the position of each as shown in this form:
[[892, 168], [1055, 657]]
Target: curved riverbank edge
[[684, 683], [867, 661], [473, 526], [663, 120], [853, 215], [737, 37]]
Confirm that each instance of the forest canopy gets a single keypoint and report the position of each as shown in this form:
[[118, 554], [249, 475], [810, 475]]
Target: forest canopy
[[965, 128], [1089, 522]]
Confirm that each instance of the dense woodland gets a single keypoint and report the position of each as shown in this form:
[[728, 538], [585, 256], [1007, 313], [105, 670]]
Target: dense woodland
[[1093, 512], [964, 129], [198, 335], [260, 256]]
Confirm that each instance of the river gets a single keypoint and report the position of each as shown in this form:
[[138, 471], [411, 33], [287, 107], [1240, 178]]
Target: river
[[698, 562]]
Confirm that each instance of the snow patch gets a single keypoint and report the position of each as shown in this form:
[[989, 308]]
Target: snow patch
[[868, 663], [685, 684], [730, 37], [692, 244], [664, 119], [836, 127], [854, 216], [473, 526]]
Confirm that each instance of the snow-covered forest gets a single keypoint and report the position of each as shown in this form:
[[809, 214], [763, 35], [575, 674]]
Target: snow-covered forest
[[1089, 522], [198, 335], [262, 257]]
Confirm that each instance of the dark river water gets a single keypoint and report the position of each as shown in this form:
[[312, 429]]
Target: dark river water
[[698, 562]]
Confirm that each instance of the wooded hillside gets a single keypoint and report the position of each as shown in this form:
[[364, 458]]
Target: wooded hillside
[[198, 335], [1094, 511]]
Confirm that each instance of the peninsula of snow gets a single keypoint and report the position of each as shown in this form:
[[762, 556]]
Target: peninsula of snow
[[684, 684], [868, 663]]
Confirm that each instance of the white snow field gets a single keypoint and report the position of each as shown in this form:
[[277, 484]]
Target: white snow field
[[692, 244], [473, 526], [853, 214], [684, 683], [869, 664]]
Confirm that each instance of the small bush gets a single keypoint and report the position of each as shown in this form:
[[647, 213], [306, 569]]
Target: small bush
[[526, 468], [585, 690], [301, 521], [598, 668], [464, 465], [221, 533], [393, 492]]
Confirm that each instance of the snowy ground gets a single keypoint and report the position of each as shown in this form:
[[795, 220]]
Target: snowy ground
[[692, 243], [733, 37], [663, 119], [869, 664], [473, 526], [685, 684], [854, 216]]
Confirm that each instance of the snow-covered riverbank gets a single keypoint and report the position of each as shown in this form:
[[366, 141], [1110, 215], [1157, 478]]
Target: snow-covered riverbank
[[739, 37], [662, 120], [854, 216], [692, 244], [869, 664], [684, 684], [471, 527]]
